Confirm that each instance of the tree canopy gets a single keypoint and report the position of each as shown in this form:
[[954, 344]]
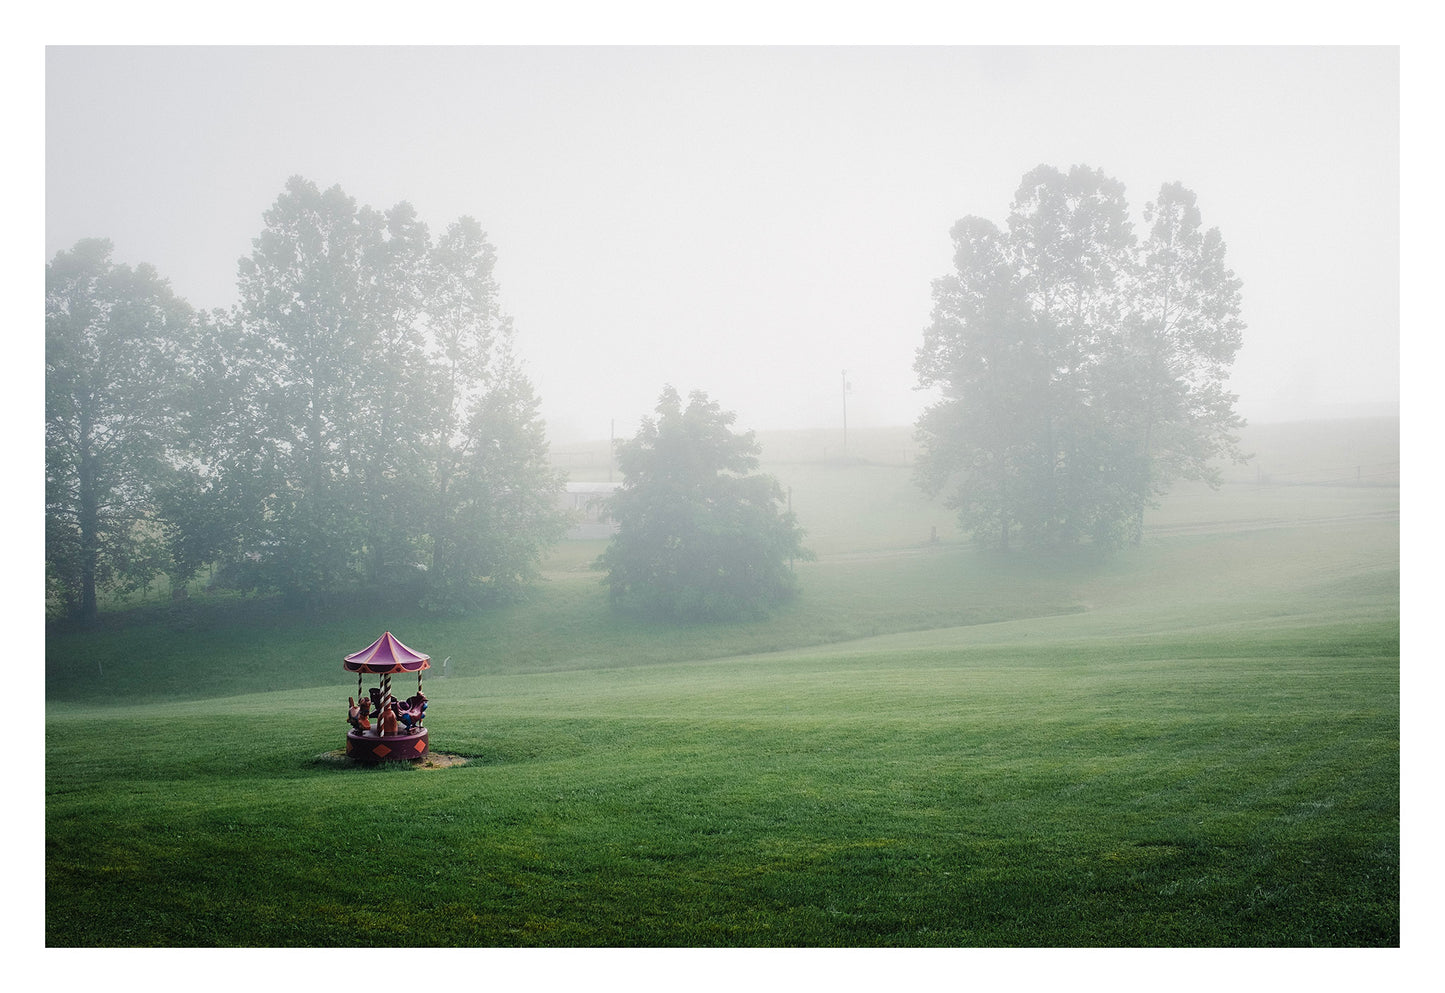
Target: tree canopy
[[113, 337], [400, 433], [700, 536], [358, 420], [1081, 372]]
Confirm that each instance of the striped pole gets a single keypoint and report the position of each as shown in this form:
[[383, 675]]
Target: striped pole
[[385, 698]]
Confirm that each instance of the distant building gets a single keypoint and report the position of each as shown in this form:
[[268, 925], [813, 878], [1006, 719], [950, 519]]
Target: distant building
[[584, 500]]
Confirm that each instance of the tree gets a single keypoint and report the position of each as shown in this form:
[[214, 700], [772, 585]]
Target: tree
[[113, 335], [484, 428], [379, 416], [303, 314], [1080, 372], [492, 506], [985, 349], [499, 510], [215, 490], [699, 535], [393, 399], [1185, 332]]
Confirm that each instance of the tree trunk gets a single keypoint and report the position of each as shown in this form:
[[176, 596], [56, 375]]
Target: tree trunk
[[89, 525]]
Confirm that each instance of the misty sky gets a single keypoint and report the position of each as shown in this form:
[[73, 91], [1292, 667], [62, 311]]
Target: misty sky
[[754, 221]]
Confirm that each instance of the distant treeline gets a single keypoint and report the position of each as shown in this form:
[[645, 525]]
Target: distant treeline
[[357, 420]]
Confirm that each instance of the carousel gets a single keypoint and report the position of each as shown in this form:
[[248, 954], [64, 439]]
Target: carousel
[[383, 728]]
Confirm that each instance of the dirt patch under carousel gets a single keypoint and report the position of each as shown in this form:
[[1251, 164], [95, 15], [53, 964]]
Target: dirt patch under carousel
[[436, 760]]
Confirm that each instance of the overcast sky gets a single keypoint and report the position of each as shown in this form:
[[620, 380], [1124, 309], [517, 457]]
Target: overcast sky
[[754, 221]]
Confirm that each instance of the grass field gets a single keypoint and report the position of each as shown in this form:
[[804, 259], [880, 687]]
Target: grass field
[[1196, 743]]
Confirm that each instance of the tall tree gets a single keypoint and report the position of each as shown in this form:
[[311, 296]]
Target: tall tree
[[492, 506], [500, 510], [330, 310], [987, 353], [112, 339], [1185, 331], [214, 494], [394, 399], [700, 535], [391, 420], [1080, 372], [1072, 246], [303, 308], [466, 331]]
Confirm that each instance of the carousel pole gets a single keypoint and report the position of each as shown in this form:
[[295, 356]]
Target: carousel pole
[[385, 696]]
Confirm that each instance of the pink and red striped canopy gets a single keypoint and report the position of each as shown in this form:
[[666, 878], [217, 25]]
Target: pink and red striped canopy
[[386, 654]]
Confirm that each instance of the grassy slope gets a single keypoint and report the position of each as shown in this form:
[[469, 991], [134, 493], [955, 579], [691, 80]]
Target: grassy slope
[[1194, 744]]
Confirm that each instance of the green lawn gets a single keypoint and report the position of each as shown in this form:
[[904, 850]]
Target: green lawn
[[1195, 743]]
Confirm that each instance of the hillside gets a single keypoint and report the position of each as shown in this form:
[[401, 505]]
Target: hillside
[[1196, 743], [1366, 448]]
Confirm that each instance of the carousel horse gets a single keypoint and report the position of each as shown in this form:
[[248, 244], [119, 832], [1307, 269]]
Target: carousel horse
[[388, 719], [357, 715], [412, 713]]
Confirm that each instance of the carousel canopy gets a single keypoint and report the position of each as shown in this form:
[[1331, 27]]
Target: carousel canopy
[[386, 654]]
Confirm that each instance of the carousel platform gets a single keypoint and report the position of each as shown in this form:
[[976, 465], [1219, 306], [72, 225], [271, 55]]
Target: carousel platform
[[367, 746]]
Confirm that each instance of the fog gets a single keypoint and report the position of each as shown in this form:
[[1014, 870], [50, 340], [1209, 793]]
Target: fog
[[755, 221]]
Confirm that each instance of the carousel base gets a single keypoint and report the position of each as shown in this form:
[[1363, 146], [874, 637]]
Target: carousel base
[[368, 746]]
